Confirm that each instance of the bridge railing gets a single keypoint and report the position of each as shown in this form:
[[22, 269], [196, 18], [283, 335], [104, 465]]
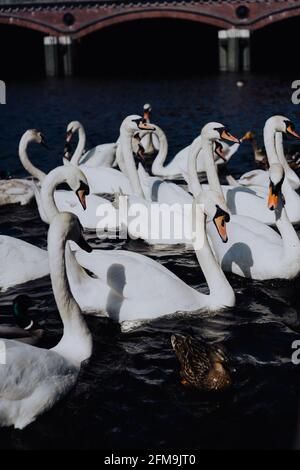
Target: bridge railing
[[133, 2]]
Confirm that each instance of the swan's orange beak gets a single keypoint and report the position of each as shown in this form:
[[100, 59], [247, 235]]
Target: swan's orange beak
[[273, 199], [146, 115], [227, 136], [81, 197], [292, 132], [248, 136], [82, 192], [220, 223]]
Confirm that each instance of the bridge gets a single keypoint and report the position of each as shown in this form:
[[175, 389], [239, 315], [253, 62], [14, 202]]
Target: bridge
[[64, 22]]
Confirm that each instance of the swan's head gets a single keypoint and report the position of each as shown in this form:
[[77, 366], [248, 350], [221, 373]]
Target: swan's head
[[282, 124], [21, 304], [72, 127], [214, 130], [147, 111], [66, 226], [276, 174], [214, 207], [33, 135], [78, 183], [134, 123]]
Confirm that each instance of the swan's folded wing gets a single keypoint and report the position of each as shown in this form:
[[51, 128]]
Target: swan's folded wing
[[24, 367]]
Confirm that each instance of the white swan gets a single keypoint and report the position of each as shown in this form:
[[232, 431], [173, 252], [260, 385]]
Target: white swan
[[261, 177], [88, 210], [101, 155], [21, 191], [178, 166], [254, 249], [251, 201], [109, 180], [33, 379], [65, 200], [150, 141], [132, 287], [21, 261], [157, 190]]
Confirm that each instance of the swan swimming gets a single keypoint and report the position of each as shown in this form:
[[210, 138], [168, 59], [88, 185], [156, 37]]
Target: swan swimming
[[29, 261], [110, 180], [21, 191], [250, 201], [33, 379], [101, 155], [125, 282]]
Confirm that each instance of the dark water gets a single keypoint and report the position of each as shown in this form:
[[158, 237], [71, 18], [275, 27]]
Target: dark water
[[129, 395]]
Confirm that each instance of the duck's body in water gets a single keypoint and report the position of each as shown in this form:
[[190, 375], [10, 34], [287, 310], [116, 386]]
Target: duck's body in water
[[204, 367]]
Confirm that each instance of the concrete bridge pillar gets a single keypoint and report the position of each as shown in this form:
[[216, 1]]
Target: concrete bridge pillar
[[234, 50], [59, 56], [51, 56], [66, 50]]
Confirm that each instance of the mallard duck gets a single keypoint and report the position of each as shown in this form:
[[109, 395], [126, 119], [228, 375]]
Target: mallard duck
[[25, 329], [203, 366], [260, 155]]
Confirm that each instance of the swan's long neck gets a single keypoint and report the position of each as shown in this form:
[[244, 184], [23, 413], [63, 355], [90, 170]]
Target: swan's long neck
[[32, 170], [158, 163], [76, 343], [211, 171], [194, 183], [52, 180], [269, 141], [290, 240], [80, 146], [289, 172], [220, 291], [129, 162]]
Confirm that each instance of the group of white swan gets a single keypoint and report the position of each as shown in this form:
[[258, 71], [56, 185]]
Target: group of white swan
[[232, 222]]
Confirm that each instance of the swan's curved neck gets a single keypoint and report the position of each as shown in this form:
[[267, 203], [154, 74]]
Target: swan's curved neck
[[126, 146], [220, 291], [288, 234], [289, 172], [76, 343], [269, 141], [52, 180], [158, 163], [211, 171], [32, 170], [194, 183], [80, 146]]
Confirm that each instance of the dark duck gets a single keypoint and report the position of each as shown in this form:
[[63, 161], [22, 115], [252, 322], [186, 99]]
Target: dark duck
[[204, 367]]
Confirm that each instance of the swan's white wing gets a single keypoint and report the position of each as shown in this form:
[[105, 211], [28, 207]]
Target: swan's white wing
[[31, 381], [255, 177], [20, 262], [101, 155], [106, 180], [15, 191], [138, 287]]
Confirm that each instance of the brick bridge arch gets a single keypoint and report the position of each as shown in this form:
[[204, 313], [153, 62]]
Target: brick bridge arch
[[82, 17]]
